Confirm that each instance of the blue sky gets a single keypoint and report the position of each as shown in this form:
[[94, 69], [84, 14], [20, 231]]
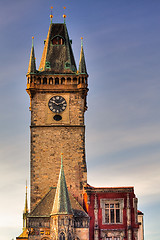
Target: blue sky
[[122, 49]]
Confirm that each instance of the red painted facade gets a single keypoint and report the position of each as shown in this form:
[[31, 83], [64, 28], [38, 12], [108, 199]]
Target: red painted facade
[[127, 228]]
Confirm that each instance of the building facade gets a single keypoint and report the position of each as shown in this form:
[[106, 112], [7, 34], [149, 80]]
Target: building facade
[[63, 206]]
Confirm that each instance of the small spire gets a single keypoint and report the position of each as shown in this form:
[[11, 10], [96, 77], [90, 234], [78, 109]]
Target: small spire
[[32, 62], [62, 203], [82, 63], [25, 212], [51, 16], [26, 201]]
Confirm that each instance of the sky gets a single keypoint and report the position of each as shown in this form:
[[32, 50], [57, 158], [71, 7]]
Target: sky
[[122, 51]]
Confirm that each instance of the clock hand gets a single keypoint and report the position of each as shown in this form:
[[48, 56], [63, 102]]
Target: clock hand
[[54, 102]]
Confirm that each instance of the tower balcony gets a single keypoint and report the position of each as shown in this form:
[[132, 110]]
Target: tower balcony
[[57, 82]]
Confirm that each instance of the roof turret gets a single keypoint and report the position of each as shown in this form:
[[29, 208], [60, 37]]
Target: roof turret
[[82, 63], [61, 203], [32, 62], [57, 55]]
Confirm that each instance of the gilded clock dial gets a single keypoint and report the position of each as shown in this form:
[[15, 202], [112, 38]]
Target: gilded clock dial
[[57, 104]]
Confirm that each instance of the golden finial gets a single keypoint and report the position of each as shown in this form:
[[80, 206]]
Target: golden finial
[[26, 185], [51, 16], [32, 40], [64, 16], [81, 41]]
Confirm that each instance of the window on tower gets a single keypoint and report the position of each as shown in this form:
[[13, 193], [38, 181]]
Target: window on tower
[[44, 80], [56, 81], [58, 40]]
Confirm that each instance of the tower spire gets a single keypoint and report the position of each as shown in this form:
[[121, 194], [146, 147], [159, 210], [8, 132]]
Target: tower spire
[[82, 63], [25, 212], [57, 55], [62, 203], [32, 62]]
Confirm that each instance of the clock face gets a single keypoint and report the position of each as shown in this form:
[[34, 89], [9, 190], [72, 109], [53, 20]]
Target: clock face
[[57, 104]]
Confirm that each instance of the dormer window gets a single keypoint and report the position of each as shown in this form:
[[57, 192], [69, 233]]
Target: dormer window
[[58, 40]]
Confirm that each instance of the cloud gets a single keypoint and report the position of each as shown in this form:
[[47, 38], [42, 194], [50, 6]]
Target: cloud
[[107, 141]]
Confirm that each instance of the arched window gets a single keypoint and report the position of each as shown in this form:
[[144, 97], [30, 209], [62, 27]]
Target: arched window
[[56, 81], [51, 80], [58, 40], [38, 80], [62, 236], [75, 80], [69, 236], [62, 80], [69, 80], [44, 80]]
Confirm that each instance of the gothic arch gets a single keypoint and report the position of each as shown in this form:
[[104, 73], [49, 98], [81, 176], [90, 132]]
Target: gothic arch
[[69, 236], [62, 236]]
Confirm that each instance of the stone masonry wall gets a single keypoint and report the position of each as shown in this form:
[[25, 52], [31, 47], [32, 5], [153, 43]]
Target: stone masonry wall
[[49, 138]]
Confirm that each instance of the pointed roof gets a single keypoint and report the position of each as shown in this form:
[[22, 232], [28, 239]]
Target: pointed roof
[[62, 203], [23, 235], [45, 206], [32, 62], [57, 55], [82, 63]]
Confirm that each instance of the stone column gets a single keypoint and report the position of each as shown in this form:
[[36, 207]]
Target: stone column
[[96, 218], [129, 231]]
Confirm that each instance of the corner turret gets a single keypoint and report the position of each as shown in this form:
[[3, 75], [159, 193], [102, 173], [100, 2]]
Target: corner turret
[[32, 62], [82, 64]]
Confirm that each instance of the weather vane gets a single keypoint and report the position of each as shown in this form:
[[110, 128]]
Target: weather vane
[[51, 16]]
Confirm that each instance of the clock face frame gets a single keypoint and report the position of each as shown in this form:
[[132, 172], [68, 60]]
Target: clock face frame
[[57, 104]]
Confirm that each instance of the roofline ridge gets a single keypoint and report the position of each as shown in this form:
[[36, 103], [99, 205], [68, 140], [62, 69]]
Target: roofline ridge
[[51, 188]]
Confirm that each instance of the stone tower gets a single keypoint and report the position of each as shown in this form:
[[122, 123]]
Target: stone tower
[[57, 103]]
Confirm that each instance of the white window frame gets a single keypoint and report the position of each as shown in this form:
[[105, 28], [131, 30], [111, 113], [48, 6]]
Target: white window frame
[[104, 201]]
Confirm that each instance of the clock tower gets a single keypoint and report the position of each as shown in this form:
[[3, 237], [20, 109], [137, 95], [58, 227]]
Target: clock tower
[[58, 94]]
